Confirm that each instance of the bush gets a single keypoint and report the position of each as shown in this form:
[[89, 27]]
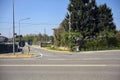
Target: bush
[[94, 44], [112, 42]]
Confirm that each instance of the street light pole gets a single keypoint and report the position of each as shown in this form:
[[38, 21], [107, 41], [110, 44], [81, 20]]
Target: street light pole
[[13, 29], [19, 26]]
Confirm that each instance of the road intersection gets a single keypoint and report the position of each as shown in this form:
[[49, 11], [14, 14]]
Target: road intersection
[[98, 65]]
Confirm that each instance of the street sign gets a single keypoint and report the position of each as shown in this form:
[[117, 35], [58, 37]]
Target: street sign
[[29, 42]]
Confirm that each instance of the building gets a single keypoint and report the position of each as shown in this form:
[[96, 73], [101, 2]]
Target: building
[[3, 39]]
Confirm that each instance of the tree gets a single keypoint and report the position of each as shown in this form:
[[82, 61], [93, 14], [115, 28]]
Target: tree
[[58, 36], [92, 22], [83, 14], [118, 38], [105, 22], [37, 37], [71, 41], [64, 24]]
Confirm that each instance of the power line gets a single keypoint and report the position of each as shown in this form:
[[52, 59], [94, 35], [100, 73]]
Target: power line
[[32, 23]]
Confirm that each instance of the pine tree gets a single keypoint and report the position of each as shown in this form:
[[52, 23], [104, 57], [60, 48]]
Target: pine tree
[[89, 20], [82, 14], [105, 22]]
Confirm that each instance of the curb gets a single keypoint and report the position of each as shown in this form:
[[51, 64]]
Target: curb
[[18, 56], [86, 52], [55, 50], [49, 49]]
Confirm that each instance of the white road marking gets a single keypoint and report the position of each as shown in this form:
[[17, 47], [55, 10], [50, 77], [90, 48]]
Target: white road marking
[[95, 52], [60, 65], [55, 65], [61, 59]]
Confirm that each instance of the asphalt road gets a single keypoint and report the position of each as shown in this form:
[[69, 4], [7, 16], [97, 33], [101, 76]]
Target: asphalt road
[[90, 55], [102, 65]]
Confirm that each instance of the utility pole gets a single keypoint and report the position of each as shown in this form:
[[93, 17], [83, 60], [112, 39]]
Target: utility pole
[[13, 29], [45, 35], [69, 24], [9, 32]]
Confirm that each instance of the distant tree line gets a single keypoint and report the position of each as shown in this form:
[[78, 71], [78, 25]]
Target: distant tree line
[[91, 27], [36, 38]]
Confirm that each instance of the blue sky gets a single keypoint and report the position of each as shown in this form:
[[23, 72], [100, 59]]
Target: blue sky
[[43, 14]]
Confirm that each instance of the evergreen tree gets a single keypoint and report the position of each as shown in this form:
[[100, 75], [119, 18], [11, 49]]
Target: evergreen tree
[[82, 15], [92, 22], [105, 22]]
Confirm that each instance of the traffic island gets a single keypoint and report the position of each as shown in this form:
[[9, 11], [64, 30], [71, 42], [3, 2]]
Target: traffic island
[[17, 56]]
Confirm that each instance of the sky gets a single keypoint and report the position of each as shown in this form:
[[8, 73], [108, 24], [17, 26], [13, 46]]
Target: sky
[[44, 15]]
